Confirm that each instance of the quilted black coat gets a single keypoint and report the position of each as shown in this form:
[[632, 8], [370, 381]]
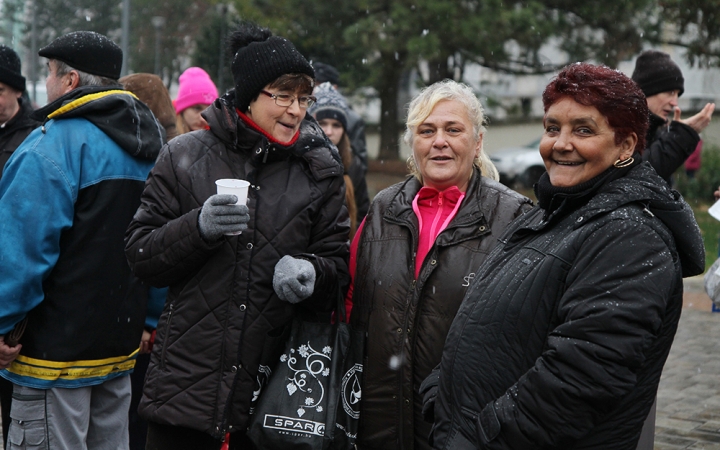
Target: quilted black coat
[[561, 339], [221, 307]]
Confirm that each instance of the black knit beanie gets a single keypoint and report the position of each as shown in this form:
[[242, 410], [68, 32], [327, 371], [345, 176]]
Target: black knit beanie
[[330, 104], [86, 51], [10, 69], [260, 62], [326, 72], [655, 72]]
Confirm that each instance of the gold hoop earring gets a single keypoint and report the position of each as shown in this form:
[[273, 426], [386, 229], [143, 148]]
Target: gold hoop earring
[[623, 163]]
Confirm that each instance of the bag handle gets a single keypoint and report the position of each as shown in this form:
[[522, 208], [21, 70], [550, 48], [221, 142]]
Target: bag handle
[[340, 313]]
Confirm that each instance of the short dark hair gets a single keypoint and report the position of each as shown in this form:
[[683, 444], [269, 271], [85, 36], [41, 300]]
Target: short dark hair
[[291, 82], [611, 92], [294, 82]]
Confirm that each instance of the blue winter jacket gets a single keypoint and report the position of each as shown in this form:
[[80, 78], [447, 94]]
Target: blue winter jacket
[[66, 197]]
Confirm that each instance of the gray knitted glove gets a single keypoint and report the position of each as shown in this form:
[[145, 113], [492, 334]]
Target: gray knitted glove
[[294, 279], [219, 215]]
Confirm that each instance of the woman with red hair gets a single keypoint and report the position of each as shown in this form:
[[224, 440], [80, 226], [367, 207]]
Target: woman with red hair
[[562, 335]]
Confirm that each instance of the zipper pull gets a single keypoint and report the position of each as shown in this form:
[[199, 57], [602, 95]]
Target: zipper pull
[[440, 197]]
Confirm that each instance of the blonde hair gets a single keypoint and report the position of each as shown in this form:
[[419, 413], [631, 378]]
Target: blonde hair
[[347, 159], [448, 90]]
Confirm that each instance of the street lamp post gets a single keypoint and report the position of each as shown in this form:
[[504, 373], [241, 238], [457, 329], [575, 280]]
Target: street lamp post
[[33, 51], [158, 22], [221, 60], [125, 38]]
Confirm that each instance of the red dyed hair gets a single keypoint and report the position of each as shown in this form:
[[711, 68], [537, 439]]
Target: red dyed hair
[[611, 92]]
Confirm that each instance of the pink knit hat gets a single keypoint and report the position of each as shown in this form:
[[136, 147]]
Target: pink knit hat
[[195, 88]]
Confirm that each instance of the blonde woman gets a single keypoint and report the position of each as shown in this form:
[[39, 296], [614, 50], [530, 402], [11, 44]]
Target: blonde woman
[[415, 254]]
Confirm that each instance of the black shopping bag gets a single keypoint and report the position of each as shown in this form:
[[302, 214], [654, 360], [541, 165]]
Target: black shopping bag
[[312, 399]]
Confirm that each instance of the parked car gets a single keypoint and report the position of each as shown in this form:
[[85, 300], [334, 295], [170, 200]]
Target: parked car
[[519, 166]]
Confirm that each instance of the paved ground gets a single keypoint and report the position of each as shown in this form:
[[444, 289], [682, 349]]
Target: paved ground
[[688, 415]]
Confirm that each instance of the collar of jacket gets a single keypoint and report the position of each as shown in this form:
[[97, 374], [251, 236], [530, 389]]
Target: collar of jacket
[[117, 112], [311, 145], [401, 212], [654, 123], [643, 186], [638, 184], [21, 119]]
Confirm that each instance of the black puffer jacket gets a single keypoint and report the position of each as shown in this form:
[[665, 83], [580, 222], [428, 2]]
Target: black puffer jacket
[[561, 339], [15, 131], [407, 319], [221, 305], [668, 146]]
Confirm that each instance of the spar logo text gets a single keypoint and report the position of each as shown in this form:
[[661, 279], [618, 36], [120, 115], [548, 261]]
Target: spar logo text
[[292, 425]]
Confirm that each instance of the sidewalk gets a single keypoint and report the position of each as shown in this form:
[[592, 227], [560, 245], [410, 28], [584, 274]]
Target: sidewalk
[[688, 411]]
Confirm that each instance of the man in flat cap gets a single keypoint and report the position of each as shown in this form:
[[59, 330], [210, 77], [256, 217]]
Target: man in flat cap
[[66, 197], [670, 141], [15, 122]]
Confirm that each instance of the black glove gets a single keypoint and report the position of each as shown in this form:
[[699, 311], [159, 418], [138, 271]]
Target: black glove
[[429, 390], [220, 215]]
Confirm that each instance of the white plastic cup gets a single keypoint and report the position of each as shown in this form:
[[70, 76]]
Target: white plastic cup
[[235, 187]]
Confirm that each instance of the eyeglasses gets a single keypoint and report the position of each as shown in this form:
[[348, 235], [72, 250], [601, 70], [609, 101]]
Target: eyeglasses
[[286, 100]]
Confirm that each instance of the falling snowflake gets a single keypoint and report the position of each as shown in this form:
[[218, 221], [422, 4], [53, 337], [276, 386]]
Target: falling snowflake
[[309, 401], [327, 349], [303, 350], [319, 409], [326, 372]]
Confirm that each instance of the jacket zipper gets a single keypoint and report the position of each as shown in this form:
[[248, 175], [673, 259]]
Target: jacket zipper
[[223, 428], [167, 332], [414, 287]]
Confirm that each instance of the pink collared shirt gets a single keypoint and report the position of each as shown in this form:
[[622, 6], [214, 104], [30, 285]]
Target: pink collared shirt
[[434, 210]]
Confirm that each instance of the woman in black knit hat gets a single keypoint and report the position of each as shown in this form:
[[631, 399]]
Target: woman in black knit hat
[[237, 273], [670, 141], [331, 112]]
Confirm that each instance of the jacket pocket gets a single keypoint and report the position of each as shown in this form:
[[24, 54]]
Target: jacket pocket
[[28, 427], [487, 425], [457, 441], [166, 335]]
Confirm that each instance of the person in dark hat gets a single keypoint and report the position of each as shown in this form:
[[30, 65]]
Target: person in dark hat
[[237, 273], [331, 111], [15, 125], [670, 141], [15, 121], [72, 313], [356, 125]]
